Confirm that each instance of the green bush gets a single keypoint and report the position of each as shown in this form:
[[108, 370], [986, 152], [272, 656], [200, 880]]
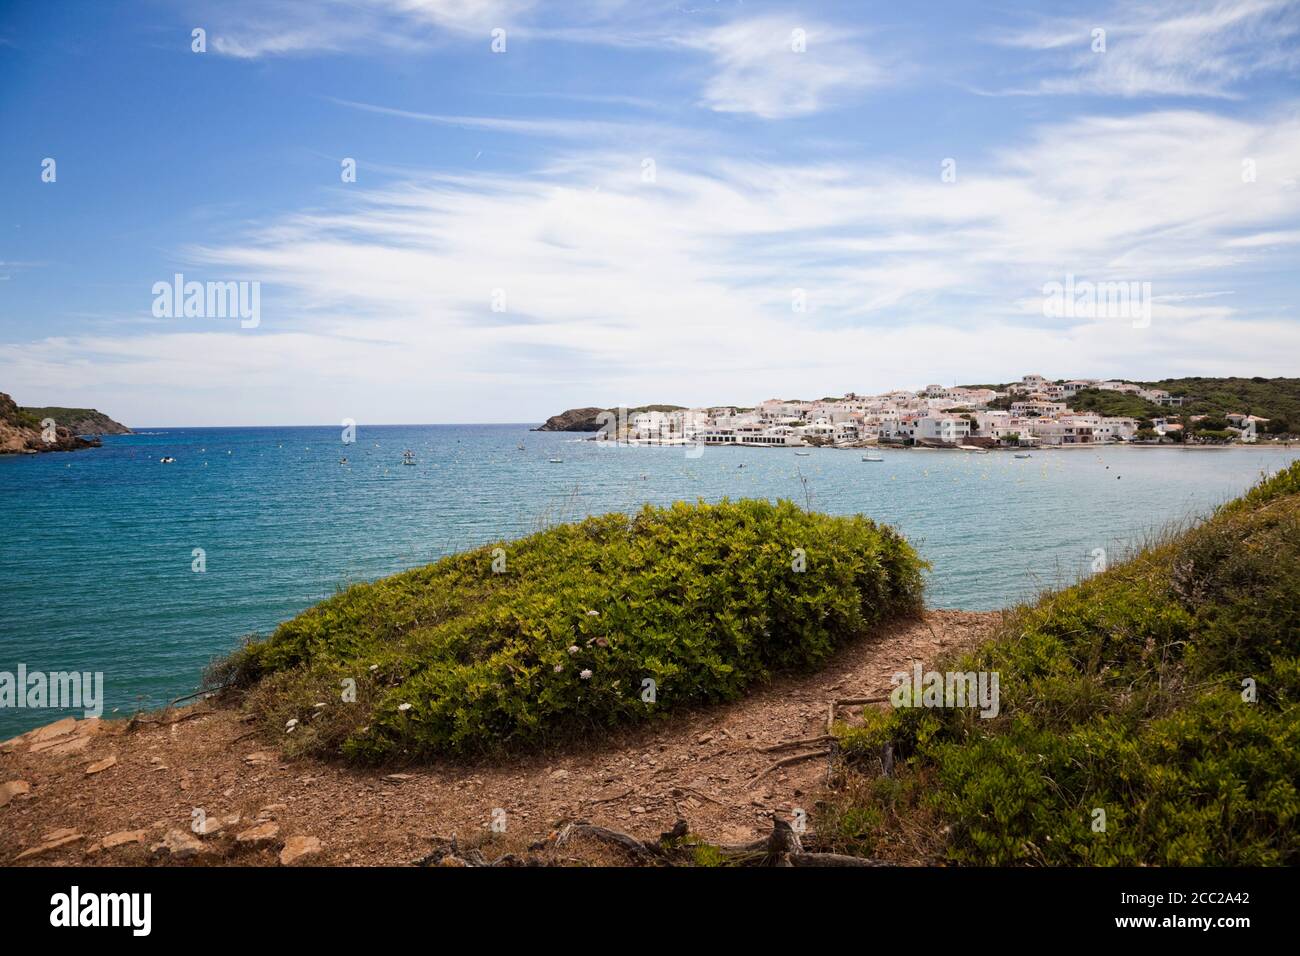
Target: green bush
[[1127, 693], [456, 658]]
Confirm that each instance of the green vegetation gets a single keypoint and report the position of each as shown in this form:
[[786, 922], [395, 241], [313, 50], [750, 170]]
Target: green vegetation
[[649, 408], [1277, 399], [1117, 404], [81, 421], [558, 639], [1162, 692]]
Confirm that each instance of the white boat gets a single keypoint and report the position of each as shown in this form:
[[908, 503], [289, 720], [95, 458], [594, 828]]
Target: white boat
[[167, 461], [803, 454], [1023, 454], [556, 461], [408, 458], [870, 457]]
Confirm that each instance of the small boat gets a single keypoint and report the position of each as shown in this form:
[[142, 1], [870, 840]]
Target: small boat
[[343, 461], [520, 446], [871, 457], [167, 461], [803, 454], [1023, 454], [556, 461], [408, 457]]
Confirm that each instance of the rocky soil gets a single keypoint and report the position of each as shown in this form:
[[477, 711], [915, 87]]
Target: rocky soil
[[196, 786]]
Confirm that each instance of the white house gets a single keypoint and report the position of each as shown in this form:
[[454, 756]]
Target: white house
[[950, 429]]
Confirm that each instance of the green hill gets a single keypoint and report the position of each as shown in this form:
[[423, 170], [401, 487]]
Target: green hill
[[1277, 399], [80, 421], [1116, 403]]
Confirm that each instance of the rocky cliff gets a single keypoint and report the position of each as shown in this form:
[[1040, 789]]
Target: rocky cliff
[[588, 419], [21, 432], [574, 420]]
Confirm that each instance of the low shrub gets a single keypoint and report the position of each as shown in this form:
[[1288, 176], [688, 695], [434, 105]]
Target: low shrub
[[1163, 693], [559, 633]]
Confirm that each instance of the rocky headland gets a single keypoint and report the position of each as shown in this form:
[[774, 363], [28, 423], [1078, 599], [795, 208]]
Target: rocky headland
[[21, 431]]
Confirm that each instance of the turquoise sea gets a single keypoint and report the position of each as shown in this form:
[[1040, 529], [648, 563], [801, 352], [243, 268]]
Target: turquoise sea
[[98, 546]]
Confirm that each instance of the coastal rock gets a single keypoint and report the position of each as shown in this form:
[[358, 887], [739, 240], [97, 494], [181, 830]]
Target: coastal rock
[[297, 848], [574, 420], [209, 826], [13, 789], [21, 432], [99, 766], [260, 835], [52, 841], [60, 728], [180, 845], [62, 747], [123, 837]]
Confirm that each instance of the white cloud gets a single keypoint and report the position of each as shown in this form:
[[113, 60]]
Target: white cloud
[[756, 68], [248, 30], [680, 290], [1180, 48]]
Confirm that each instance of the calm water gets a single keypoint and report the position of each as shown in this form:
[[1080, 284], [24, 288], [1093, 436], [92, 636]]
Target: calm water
[[96, 552]]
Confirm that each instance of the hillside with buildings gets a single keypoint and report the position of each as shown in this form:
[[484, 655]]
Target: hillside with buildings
[[1034, 411]]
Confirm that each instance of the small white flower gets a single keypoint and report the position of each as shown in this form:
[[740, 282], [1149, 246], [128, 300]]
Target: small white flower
[[573, 648], [558, 668], [593, 614], [585, 675], [403, 707]]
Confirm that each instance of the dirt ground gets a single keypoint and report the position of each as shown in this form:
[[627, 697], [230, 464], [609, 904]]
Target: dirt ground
[[91, 792]]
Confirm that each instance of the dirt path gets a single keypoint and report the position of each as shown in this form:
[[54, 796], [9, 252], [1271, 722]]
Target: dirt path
[[702, 766]]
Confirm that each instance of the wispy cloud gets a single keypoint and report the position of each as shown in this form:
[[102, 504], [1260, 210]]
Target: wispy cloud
[[776, 67], [249, 30], [1182, 48], [681, 288], [586, 130]]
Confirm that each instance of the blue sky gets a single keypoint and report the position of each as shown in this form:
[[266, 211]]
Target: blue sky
[[521, 178]]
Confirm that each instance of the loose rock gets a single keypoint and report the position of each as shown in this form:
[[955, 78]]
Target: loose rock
[[260, 835], [13, 789], [297, 848], [99, 766]]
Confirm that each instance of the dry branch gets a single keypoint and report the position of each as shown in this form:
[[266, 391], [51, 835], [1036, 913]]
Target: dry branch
[[786, 761]]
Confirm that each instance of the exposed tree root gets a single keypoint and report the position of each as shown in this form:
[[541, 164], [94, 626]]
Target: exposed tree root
[[782, 847]]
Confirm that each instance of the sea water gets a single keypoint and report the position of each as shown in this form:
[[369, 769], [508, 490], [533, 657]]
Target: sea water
[[112, 562]]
